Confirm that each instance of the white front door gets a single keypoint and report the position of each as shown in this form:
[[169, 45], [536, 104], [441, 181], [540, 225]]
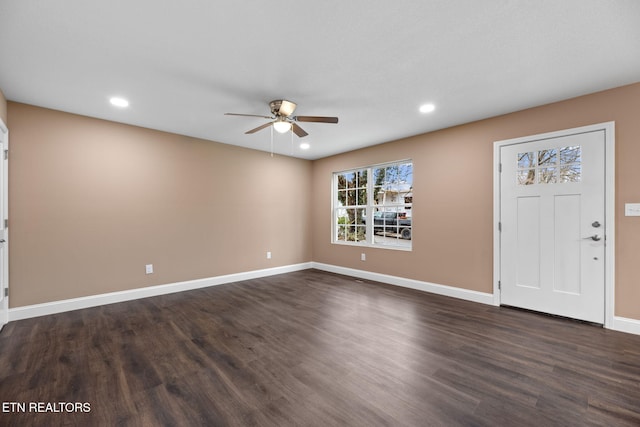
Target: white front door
[[4, 237], [553, 225]]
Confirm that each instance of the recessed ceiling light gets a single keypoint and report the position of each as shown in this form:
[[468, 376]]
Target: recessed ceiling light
[[304, 146], [427, 108], [119, 102]]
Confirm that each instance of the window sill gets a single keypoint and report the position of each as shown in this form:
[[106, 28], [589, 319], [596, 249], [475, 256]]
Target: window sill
[[374, 246]]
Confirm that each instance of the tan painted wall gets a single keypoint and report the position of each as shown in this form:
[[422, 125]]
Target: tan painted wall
[[453, 195], [92, 202], [3, 108]]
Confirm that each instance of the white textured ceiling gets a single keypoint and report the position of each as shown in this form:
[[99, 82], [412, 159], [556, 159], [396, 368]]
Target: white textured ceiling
[[183, 64]]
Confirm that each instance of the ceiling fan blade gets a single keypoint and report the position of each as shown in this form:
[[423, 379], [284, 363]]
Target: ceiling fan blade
[[318, 119], [259, 128], [248, 115], [298, 130]]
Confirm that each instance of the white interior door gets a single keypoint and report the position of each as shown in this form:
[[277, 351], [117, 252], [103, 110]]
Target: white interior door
[[4, 235], [552, 217]]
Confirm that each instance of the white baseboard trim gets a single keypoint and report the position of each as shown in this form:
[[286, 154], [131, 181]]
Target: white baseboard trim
[[54, 307], [623, 324], [434, 288]]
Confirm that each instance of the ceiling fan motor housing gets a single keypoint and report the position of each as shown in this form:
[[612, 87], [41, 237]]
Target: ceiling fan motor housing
[[282, 107]]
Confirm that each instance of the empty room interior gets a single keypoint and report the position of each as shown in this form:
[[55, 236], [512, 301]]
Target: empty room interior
[[320, 213]]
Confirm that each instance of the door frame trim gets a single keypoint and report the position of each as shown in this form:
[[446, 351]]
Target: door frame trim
[[609, 279], [4, 131]]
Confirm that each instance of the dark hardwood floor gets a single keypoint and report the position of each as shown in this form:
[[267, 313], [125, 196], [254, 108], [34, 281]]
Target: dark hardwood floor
[[316, 349]]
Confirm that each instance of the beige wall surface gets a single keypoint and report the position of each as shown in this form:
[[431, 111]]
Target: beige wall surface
[[92, 202], [3, 108], [453, 195]]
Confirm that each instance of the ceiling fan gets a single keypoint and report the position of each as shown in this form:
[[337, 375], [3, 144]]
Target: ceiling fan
[[283, 118]]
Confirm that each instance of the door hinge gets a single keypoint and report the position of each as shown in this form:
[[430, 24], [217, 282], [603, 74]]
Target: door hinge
[[499, 285], [6, 292], [500, 226], [6, 223], [6, 154], [500, 167]]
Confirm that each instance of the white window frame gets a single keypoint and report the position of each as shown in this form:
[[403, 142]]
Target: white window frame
[[370, 207]]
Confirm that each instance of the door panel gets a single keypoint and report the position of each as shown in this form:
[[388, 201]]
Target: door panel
[[551, 192], [528, 245], [567, 241]]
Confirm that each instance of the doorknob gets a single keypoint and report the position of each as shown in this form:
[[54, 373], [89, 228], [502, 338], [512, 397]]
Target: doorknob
[[595, 238]]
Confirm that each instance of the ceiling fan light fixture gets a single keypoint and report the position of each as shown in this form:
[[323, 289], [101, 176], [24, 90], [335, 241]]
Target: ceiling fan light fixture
[[286, 108], [282, 126]]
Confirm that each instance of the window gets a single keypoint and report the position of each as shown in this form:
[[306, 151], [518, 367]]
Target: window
[[550, 166], [372, 206]]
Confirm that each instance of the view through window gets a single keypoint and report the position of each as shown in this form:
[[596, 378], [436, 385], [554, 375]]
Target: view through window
[[373, 205]]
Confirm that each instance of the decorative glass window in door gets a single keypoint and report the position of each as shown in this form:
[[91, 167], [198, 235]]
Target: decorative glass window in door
[[550, 166]]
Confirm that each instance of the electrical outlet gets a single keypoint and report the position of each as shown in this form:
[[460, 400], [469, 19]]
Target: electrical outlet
[[268, 255], [148, 268], [363, 257]]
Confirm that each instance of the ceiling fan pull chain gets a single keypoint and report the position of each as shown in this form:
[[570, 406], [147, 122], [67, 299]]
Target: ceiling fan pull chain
[[271, 140]]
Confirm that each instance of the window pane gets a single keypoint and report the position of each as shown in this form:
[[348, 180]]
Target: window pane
[[570, 173], [527, 177], [342, 197], [548, 175], [359, 234], [570, 155], [406, 173], [341, 216], [351, 198], [362, 196], [547, 157], [392, 175], [362, 178], [342, 182], [379, 176], [378, 195], [405, 233], [525, 160], [351, 216], [351, 179], [360, 216]]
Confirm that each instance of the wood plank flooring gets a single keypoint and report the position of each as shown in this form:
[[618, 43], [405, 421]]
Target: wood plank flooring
[[317, 349]]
